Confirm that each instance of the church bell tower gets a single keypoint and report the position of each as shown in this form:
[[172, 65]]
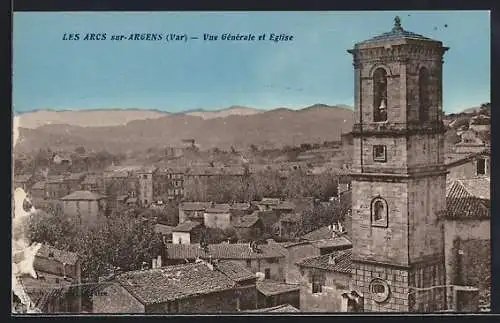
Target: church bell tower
[[398, 173]]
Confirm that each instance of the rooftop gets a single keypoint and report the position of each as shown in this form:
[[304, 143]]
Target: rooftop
[[469, 199], [235, 272], [218, 208], [62, 256], [82, 196], [44, 287], [38, 185], [195, 206], [342, 261], [22, 178], [169, 283], [397, 33], [247, 221], [224, 251], [187, 226], [163, 228], [270, 287]]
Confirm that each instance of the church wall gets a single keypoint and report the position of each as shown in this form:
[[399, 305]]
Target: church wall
[[386, 245]]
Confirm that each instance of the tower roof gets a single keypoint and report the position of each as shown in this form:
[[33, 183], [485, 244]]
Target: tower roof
[[396, 34]]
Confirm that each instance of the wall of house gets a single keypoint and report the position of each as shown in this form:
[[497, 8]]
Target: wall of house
[[219, 302], [292, 298], [146, 188], [276, 266], [181, 238], [55, 267], [190, 215], [217, 220], [86, 210], [115, 299], [468, 231], [330, 297], [294, 254], [247, 295], [467, 170]]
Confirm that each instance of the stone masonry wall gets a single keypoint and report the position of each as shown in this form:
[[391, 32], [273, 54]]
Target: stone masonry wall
[[397, 280], [385, 245]]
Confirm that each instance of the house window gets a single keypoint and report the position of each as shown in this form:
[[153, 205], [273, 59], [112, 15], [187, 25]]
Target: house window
[[267, 273], [423, 96], [379, 290], [379, 212], [249, 263], [316, 284], [380, 95], [379, 153], [481, 166], [180, 240]]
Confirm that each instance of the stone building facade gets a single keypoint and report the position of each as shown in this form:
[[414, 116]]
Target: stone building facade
[[398, 172]]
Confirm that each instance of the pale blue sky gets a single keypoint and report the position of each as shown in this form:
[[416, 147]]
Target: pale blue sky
[[50, 73]]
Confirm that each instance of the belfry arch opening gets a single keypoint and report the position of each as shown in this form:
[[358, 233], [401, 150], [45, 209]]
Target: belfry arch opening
[[423, 95], [380, 95]]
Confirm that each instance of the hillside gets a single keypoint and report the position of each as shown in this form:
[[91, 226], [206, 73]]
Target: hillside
[[234, 110], [86, 118], [275, 128]]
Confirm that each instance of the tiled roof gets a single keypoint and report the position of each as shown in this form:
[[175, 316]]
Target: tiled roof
[[168, 283], [90, 179], [270, 287], [234, 272], [43, 288], [224, 251], [342, 263], [187, 226], [319, 234], [285, 308], [397, 33], [247, 221], [269, 201], [38, 185], [218, 208], [195, 206], [62, 256], [337, 242], [82, 196], [75, 176], [55, 179], [163, 229], [453, 159], [469, 199]]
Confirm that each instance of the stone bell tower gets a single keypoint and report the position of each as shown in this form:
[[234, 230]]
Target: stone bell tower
[[399, 178]]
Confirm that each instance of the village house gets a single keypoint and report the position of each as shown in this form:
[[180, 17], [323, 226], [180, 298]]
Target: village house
[[187, 232], [471, 142], [467, 234], [87, 206], [192, 211], [289, 225], [165, 231], [37, 191], [272, 293], [56, 187], [468, 165], [248, 227], [146, 179], [23, 181], [74, 181], [238, 210], [217, 216], [168, 184], [324, 279], [267, 259], [199, 287], [56, 287], [92, 183], [480, 123]]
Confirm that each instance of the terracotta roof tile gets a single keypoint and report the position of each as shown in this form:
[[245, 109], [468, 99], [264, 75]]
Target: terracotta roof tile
[[285, 308], [342, 263], [187, 226], [247, 221], [62, 256], [168, 283], [224, 251], [195, 206], [235, 272], [270, 287], [82, 196], [468, 198]]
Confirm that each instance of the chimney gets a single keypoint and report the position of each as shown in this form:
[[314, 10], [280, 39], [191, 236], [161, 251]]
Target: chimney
[[331, 260], [340, 227], [154, 263], [64, 269], [158, 262]]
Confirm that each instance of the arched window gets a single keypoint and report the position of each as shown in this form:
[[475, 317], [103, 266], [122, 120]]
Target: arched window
[[379, 212], [379, 95], [423, 94]]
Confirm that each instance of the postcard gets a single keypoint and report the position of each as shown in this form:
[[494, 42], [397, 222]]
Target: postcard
[[251, 163]]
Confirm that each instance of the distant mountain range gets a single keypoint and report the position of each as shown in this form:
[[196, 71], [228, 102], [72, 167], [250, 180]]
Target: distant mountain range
[[120, 130]]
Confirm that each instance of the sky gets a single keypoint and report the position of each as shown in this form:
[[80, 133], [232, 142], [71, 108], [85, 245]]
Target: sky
[[52, 73]]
